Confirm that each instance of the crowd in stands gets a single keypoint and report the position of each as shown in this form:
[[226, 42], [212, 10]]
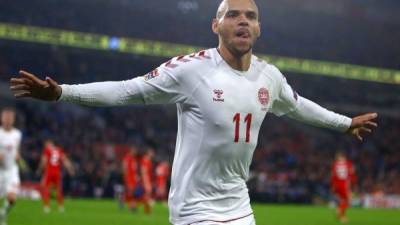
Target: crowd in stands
[[291, 163]]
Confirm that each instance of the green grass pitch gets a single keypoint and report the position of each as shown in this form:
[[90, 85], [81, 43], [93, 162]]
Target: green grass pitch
[[106, 212]]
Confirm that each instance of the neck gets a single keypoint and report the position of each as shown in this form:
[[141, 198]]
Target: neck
[[7, 128], [239, 62]]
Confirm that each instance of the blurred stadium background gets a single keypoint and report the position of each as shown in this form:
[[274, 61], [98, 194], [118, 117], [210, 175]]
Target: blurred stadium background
[[343, 54]]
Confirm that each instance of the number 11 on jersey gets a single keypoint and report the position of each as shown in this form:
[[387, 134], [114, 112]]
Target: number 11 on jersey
[[247, 120]]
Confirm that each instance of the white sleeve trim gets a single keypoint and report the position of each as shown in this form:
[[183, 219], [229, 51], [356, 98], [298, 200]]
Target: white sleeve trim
[[313, 114]]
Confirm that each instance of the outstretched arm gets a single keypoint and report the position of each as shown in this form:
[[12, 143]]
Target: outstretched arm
[[311, 113], [97, 94], [290, 103], [163, 88]]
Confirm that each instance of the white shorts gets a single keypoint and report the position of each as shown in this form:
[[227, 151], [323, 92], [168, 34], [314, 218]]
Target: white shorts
[[248, 220], [9, 182]]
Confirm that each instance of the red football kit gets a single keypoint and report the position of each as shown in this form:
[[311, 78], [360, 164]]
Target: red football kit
[[52, 174], [130, 171], [342, 180], [146, 166]]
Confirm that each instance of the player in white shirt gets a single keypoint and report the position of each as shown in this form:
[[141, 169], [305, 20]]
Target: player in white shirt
[[10, 141], [222, 96]]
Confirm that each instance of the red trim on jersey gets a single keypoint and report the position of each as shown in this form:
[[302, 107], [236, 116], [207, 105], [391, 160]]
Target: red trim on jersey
[[203, 54], [170, 64], [222, 221], [182, 59]]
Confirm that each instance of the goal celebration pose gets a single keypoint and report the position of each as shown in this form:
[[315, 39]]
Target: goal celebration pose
[[222, 96]]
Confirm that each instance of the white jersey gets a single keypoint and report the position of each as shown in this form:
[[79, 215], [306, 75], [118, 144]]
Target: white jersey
[[9, 145], [220, 112]]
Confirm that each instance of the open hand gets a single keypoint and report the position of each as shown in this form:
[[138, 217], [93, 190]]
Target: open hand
[[362, 124], [28, 85]]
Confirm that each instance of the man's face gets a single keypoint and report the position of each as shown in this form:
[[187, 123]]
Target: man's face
[[237, 25], [49, 144], [7, 118]]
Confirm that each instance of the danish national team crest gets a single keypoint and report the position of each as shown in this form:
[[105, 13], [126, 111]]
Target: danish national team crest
[[218, 96], [263, 96], [151, 75]]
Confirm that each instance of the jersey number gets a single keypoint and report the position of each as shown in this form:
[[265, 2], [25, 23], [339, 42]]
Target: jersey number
[[247, 120]]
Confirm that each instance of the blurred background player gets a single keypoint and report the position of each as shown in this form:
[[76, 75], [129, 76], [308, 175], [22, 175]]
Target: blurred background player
[[343, 179], [10, 141], [130, 171], [51, 160], [161, 176], [146, 173]]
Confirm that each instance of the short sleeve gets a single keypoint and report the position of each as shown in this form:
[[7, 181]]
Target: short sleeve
[[286, 99]]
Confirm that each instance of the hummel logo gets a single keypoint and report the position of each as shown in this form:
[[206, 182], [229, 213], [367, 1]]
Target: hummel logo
[[218, 96]]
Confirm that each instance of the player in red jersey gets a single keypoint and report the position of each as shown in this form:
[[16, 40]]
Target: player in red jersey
[[130, 172], [52, 159], [146, 173], [162, 175], [343, 178]]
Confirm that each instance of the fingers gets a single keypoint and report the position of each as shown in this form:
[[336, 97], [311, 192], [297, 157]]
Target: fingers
[[371, 116], [365, 120], [357, 132], [366, 130], [358, 136], [22, 94], [15, 81], [30, 76], [368, 117], [19, 87], [51, 82], [371, 124]]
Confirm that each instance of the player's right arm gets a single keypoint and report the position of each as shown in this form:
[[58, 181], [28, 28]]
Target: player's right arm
[[160, 86]]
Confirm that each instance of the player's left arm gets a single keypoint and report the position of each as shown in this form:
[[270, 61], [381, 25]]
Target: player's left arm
[[297, 107], [353, 177], [312, 113]]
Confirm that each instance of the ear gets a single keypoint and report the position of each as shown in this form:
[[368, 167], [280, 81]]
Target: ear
[[214, 26], [259, 29]]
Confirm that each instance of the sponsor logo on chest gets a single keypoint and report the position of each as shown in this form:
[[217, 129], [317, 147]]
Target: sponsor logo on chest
[[218, 95]]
